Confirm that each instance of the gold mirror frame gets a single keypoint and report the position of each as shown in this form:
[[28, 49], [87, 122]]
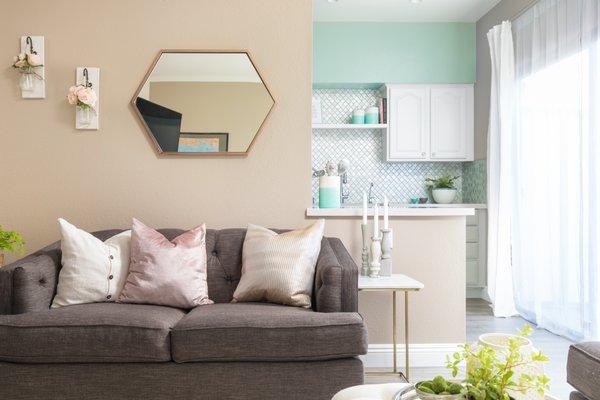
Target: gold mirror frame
[[149, 134]]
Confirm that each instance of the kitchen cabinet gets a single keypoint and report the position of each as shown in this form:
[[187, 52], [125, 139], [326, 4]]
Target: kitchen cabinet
[[476, 254], [430, 123], [408, 136]]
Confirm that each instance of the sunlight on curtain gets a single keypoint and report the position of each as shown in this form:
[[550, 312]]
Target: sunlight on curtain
[[555, 221]]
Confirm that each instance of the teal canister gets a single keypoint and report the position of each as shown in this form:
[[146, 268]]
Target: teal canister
[[372, 115], [358, 116], [329, 192]]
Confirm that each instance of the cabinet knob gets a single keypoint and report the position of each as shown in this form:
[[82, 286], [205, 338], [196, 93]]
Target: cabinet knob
[[423, 154]]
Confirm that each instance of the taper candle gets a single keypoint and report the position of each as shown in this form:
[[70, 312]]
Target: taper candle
[[376, 220], [365, 209], [386, 201]]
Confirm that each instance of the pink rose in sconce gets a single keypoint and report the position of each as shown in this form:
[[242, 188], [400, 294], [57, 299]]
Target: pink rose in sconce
[[87, 96], [72, 96], [81, 96]]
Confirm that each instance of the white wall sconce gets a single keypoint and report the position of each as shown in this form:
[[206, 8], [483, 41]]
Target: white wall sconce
[[85, 97], [30, 64]]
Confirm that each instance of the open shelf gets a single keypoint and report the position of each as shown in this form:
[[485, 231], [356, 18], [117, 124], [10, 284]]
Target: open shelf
[[349, 126]]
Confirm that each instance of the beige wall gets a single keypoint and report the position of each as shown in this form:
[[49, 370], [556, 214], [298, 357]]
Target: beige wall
[[237, 108], [101, 179], [503, 11]]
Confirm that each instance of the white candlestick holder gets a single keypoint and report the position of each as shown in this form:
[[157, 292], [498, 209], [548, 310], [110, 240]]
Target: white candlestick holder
[[387, 244], [375, 257], [365, 249]]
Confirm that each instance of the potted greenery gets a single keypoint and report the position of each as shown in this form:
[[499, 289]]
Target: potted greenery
[[443, 189], [502, 373], [10, 241]]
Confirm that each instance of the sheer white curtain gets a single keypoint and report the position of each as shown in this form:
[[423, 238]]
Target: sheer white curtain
[[500, 133], [556, 167]]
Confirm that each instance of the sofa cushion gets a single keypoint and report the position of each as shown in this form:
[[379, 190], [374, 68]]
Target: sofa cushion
[[583, 366], [99, 332], [266, 332]]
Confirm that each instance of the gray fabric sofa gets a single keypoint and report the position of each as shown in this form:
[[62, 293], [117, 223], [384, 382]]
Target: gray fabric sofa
[[221, 351], [583, 370]]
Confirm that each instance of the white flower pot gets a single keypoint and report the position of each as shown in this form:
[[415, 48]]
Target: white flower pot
[[443, 196], [499, 342]]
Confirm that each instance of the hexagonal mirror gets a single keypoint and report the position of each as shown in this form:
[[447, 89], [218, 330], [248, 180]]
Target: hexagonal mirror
[[203, 103]]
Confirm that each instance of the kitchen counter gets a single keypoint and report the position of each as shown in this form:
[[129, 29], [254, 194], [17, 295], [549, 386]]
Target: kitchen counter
[[399, 210]]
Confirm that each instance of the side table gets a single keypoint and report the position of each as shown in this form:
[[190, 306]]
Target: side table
[[394, 284]]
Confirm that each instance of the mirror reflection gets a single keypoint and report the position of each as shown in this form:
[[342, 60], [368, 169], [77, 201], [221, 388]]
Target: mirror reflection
[[201, 102]]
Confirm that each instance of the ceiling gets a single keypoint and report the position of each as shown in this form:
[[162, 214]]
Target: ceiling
[[402, 10]]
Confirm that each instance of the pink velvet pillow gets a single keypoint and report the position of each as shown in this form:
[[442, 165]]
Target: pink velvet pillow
[[167, 273]]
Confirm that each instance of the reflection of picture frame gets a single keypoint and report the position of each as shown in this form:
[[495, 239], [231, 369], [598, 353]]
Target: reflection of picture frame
[[203, 142]]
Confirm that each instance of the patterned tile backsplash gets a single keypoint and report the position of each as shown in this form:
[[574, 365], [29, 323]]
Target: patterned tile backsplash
[[365, 151], [474, 182]]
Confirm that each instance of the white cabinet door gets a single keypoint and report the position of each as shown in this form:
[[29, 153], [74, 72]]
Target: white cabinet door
[[476, 255], [408, 136], [451, 122]]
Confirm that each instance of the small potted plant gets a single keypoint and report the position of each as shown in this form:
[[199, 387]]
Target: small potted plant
[[85, 99], [10, 241], [26, 63], [443, 189], [502, 373]]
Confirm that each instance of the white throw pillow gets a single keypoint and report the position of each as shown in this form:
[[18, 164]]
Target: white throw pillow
[[92, 271], [279, 268]]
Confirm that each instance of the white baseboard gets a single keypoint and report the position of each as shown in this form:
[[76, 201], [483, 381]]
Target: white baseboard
[[421, 355]]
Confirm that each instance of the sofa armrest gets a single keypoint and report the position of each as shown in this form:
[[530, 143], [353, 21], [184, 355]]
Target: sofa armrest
[[336, 279], [29, 284]]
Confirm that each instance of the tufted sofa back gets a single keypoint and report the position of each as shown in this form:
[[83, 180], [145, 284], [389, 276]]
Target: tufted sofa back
[[224, 258], [29, 284]]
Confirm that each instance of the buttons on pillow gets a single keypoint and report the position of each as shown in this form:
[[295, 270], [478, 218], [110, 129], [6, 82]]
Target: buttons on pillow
[[87, 262]]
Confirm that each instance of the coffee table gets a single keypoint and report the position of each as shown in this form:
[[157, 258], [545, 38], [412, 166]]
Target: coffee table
[[384, 391]]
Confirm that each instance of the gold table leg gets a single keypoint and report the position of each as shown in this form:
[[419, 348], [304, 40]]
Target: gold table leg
[[406, 350], [394, 332], [395, 371]]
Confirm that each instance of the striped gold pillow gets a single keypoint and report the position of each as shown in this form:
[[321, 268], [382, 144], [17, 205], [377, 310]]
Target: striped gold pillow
[[279, 268]]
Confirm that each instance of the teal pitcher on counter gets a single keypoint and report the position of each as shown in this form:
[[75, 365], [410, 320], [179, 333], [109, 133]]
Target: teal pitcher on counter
[[329, 192]]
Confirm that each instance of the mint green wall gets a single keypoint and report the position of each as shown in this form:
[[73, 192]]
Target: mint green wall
[[355, 53]]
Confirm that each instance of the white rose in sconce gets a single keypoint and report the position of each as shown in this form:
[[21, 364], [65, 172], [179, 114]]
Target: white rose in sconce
[[25, 62], [34, 60], [20, 61]]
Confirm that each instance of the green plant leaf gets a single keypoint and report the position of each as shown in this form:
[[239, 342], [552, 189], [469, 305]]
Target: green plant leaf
[[11, 241], [527, 330]]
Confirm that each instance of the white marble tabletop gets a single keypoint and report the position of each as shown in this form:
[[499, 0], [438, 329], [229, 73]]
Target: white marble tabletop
[[407, 210], [394, 282]]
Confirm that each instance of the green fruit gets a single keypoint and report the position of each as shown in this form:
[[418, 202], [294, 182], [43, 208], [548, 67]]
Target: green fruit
[[454, 388], [425, 389], [427, 384], [439, 384]]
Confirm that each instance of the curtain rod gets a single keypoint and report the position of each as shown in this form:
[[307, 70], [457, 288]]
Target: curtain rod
[[524, 10]]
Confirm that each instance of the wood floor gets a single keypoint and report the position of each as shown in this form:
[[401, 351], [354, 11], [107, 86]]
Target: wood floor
[[480, 320]]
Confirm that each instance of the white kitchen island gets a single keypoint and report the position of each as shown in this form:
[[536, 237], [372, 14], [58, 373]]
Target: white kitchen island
[[430, 247]]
